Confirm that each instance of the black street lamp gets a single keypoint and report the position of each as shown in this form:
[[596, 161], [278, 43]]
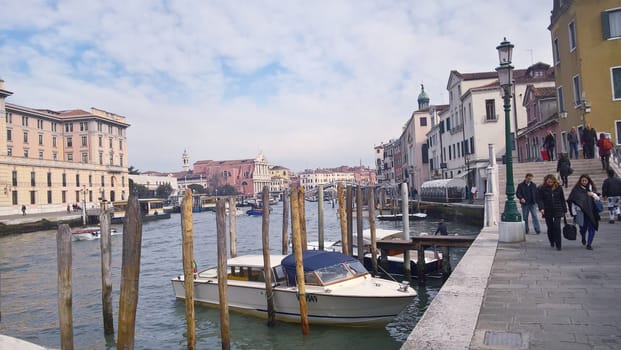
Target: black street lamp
[[505, 78]]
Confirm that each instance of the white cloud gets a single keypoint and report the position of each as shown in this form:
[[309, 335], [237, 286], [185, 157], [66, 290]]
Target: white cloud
[[311, 84]]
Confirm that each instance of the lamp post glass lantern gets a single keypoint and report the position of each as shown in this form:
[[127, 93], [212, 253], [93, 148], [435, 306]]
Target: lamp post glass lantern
[[505, 78]]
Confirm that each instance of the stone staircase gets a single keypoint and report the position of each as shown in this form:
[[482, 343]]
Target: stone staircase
[[592, 167]]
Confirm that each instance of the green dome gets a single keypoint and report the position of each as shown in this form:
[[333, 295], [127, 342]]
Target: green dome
[[423, 95]]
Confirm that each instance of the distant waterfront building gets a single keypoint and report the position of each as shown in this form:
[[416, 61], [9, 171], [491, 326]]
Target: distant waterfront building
[[311, 179], [247, 176], [280, 178], [52, 159]]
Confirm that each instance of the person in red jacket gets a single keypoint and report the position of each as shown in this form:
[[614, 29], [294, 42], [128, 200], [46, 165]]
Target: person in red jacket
[[605, 149]]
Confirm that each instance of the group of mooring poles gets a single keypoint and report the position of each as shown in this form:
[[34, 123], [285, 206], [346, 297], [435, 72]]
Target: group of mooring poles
[[130, 271]]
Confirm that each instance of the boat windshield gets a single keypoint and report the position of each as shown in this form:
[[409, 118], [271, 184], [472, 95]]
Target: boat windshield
[[336, 273]]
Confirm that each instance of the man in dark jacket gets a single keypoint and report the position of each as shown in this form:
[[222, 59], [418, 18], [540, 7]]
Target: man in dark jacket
[[526, 193], [611, 191], [589, 136]]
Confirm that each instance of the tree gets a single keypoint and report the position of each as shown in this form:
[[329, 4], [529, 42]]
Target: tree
[[133, 171], [196, 188], [227, 190], [163, 191]]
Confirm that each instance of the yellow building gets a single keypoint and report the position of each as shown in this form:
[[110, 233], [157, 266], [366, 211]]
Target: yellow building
[[52, 160], [586, 45]]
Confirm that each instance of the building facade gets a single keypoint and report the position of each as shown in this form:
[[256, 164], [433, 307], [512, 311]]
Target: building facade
[[586, 48], [542, 116], [414, 145], [52, 159]]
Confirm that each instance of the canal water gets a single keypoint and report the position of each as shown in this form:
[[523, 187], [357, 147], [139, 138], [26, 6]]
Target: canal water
[[28, 289]]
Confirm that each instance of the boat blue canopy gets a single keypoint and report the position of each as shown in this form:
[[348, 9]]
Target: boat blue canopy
[[312, 260]]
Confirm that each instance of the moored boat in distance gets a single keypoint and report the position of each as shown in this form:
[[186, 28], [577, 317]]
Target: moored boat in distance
[[89, 233], [399, 217], [150, 208], [339, 290]]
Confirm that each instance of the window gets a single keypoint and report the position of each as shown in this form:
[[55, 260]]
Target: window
[[615, 79], [14, 197], [49, 179], [90, 181], [25, 136], [14, 178], [40, 154], [77, 180], [611, 24], [83, 126], [69, 142], [64, 196], [490, 110], [49, 197], [9, 118], [32, 197], [577, 92], [24, 121], [121, 145], [69, 157], [555, 53], [110, 142], [100, 141], [53, 141], [54, 127], [39, 124], [64, 177], [55, 155], [25, 153], [572, 36], [9, 135], [9, 151], [69, 127], [84, 157], [84, 139], [560, 99], [423, 121], [33, 177], [472, 145], [103, 182], [40, 140], [100, 158], [121, 160], [111, 159], [618, 126]]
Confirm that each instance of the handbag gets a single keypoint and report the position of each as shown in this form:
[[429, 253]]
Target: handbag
[[599, 207], [569, 231]]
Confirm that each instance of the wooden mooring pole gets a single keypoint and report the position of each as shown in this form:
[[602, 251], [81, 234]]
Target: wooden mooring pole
[[130, 273], [267, 266], [187, 239], [302, 213], [359, 226], [320, 216], [233, 226], [285, 223], [372, 228], [105, 245], [65, 304], [343, 218], [299, 267], [225, 332], [350, 219]]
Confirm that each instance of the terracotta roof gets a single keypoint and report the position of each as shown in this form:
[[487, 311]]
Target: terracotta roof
[[544, 91], [224, 162], [75, 113]]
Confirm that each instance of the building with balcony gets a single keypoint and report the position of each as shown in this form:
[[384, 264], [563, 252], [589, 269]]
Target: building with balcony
[[52, 159], [586, 48]]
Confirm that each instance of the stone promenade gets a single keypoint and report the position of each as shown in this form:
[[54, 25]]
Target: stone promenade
[[541, 298]]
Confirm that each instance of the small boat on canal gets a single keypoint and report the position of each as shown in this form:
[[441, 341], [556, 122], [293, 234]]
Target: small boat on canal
[[394, 259], [339, 290], [151, 209], [399, 217], [255, 211], [89, 233]]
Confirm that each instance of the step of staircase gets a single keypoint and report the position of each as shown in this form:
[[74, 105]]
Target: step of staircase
[[592, 167]]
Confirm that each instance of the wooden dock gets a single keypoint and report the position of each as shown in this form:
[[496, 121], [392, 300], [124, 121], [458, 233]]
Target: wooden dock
[[419, 243]]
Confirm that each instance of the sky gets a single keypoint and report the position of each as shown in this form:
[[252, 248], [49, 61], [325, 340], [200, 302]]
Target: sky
[[310, 84]]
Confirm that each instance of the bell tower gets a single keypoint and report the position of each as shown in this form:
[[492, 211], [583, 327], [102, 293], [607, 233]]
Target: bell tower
[[186, 160]]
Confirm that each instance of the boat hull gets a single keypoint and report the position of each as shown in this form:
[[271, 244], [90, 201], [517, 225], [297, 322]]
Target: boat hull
[[145, 218], [399, 217], [330, 308]]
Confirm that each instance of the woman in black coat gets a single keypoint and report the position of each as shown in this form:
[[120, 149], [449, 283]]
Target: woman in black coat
[[551, 204], [582, 199], [563, 167]]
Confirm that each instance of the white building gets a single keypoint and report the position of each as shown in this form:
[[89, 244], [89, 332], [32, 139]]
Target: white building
[[153, 181]]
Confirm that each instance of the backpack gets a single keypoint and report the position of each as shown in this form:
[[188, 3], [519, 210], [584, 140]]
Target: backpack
[[606, 145]]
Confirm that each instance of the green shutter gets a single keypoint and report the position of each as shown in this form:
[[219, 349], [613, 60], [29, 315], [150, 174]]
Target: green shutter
[[605, 25]]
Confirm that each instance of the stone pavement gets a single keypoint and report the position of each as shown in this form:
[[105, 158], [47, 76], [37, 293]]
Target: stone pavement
[[52, 216], [541, 298]]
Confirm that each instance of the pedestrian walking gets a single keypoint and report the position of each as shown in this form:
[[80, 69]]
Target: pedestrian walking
[[552, 205], [605, 148], [563, 167], [611, 191], [589, 136], [23, 209], [549, 143], [526, 193], [572, 139], [582, 201]]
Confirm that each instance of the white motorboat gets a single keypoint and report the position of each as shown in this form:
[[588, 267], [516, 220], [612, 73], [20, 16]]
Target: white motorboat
[[399, 217], [339, 290], [89, 233], [394, 264]]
